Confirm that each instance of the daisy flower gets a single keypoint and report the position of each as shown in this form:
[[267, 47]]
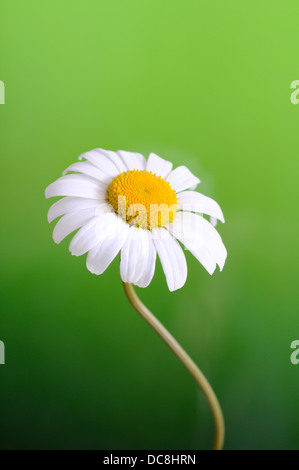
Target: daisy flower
[[121, 202]]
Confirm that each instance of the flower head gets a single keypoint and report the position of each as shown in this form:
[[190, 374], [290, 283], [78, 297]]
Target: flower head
[[122, 203]]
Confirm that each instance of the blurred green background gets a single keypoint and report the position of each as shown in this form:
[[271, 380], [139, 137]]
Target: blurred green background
[[206, 84]]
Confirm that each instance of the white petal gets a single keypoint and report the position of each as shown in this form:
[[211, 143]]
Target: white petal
[[149, 269], [181, 178], [196, 202], [172, 258], [71, 204], [213, 221], [158, 165], [133, 161], [102, 255], [70, 222], [92, 234], [105, 160], [89, 170], [78, 186], [116, 159], [134, 255], [201, 238]]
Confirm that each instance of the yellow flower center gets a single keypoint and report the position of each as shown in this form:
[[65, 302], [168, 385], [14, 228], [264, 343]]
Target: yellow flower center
[[143, 199]]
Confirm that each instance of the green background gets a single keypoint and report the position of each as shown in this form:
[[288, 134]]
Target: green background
[[201, 83]]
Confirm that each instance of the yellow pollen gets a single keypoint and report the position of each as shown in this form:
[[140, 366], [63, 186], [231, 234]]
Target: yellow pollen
[[142, 199]]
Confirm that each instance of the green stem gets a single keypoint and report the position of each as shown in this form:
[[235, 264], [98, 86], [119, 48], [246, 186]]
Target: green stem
[[186, 361]]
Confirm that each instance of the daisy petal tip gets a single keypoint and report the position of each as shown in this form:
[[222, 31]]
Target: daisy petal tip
[[90, 268], [176, 287], [72, 251], [221, 216], [47, 192], [210, 269], [221, 265], [56, 239]]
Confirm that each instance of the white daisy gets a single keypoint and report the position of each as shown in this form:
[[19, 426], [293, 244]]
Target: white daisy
[[121, 202]]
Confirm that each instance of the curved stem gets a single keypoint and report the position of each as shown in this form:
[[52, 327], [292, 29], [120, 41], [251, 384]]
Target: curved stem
[[186, 361]]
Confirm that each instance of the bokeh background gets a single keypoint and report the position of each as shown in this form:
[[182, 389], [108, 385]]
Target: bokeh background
[[206, 84]]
